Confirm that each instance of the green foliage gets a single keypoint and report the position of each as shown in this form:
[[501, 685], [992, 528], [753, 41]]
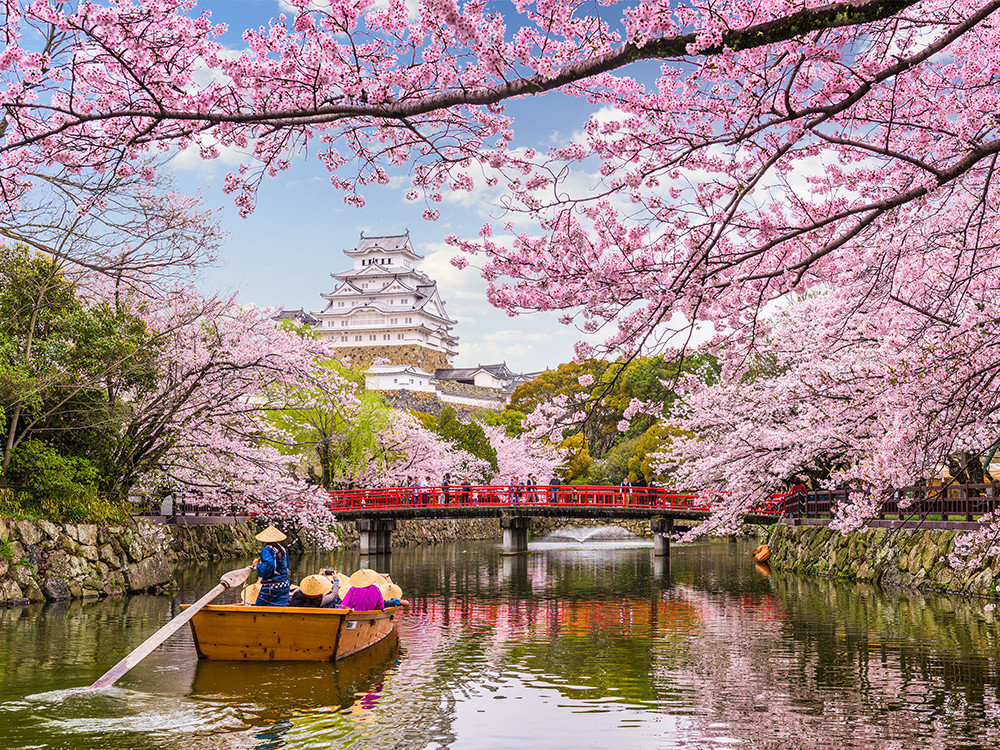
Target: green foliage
[[39, 469], [56, 487], [62, 367], [6, 550], [615, 386], [599, 452], [512, 421], [616, 462], [469, 436], [578, 463], [336, 444]]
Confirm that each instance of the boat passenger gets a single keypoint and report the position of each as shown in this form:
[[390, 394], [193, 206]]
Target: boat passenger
[[249, 594], [272, 569], [365, 594], [393, 596], [314, 591], [337, 578]]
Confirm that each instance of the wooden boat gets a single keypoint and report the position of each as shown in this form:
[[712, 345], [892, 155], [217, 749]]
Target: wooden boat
[[236, 632]]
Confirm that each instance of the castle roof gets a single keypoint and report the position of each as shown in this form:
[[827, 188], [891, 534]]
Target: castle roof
[[300, 316], [393, 243]]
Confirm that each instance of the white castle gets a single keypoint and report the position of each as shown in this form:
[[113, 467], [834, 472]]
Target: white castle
[[384, 302], [385, 311]]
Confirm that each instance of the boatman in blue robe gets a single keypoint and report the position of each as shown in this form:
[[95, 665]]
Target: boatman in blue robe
[[272, 569]]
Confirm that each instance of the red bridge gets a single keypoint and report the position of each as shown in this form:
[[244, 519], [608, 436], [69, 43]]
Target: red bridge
[[376, 511], [444, 501]]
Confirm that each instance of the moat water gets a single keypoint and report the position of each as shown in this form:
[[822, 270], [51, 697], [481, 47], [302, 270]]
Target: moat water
[[572, 645]]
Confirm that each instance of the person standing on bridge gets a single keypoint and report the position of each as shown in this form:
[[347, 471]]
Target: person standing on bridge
[[466, 490], [554, 488], [514, 490], [446, 488], [532, 484]]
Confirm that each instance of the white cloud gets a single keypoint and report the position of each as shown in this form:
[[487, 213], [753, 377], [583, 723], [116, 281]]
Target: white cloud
[[190, 158], [324, 5], [464, 284], [524, 349]]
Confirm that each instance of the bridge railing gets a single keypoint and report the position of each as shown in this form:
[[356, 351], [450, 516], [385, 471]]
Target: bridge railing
[[514, 495], [954, 502]]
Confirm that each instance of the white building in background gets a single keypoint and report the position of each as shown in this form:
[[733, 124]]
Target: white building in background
[[383, 303], [387, 316]]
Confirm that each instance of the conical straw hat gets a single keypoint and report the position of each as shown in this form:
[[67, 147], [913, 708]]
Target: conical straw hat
[[315, 585], [365, 577], [392, 591], [249, 594], [342, 591], [270, 534]]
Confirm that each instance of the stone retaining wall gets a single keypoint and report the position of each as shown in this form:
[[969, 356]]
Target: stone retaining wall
[[43, 560], [913, 558], [47, 561]]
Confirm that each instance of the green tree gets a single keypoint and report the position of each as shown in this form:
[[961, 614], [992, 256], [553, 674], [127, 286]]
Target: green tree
[[63, 368], [578, 460], [335, 439], [613, 387], [468, 436], [512, 421]]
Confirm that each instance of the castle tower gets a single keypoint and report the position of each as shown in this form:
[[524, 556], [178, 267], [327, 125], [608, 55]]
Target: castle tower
[[383, 307]]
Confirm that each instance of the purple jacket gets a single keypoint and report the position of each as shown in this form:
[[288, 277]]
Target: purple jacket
[[364, 600]]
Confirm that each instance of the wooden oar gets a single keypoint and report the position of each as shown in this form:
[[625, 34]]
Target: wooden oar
[[230, 580]]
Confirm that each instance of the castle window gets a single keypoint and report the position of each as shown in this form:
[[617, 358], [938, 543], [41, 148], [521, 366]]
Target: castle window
[[357, 338], [399, 336]]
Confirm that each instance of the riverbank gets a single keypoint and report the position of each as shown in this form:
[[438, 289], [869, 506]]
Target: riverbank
[[44, 561], [908, 558]]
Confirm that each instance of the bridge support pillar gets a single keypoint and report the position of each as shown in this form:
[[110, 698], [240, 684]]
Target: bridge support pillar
[[376, 535], [515, 534], [661, 527]]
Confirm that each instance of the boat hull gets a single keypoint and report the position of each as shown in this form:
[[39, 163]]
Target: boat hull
[[235, 632]]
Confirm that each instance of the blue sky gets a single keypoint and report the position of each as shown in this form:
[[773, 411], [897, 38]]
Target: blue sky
[[284, 253]]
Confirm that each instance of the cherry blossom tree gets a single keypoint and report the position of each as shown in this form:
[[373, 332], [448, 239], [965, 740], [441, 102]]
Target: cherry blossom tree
[[201, 431], [407, 448], [869, 400], [739, 153], [521, 455]]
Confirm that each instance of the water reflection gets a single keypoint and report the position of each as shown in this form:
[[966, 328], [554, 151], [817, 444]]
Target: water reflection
[[582, 645]]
